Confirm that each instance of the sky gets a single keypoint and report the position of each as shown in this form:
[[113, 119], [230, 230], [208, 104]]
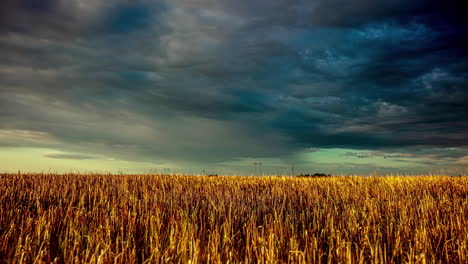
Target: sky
[[214, 86]]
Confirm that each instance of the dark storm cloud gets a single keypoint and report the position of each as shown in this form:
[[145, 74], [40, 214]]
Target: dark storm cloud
[[217, 80]]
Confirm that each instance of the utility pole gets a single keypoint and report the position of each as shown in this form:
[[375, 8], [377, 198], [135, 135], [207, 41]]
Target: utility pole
[[255, 167], [292, 170]]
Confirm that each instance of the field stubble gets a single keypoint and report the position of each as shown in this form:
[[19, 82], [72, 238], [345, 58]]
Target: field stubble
[[75, 218]]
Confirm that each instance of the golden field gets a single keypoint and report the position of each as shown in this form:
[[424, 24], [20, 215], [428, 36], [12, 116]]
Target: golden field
[[75, 218]]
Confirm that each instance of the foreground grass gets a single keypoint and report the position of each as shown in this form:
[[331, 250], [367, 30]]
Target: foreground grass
[[181, 219]]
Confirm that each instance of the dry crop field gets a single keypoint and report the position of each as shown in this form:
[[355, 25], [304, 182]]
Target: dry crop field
[[76, 218]]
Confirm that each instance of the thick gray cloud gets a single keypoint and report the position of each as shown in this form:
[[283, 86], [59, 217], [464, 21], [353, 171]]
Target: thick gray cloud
[[212, 81]]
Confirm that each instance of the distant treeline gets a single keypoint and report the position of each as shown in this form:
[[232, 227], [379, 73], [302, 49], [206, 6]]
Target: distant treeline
[[314, 175]]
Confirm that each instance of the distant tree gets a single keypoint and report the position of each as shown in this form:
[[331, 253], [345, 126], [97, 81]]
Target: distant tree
[[315, 175]]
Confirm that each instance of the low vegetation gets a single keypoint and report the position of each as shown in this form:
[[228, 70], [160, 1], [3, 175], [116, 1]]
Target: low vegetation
[[194, 219]]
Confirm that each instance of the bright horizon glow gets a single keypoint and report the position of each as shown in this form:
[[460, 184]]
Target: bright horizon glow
[[330, 161]]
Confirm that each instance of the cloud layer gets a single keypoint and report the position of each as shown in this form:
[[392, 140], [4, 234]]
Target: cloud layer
[[215, 81]]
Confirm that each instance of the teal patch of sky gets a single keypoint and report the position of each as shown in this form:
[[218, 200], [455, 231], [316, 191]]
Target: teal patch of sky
[[294, 121], [248, 101], [137, 76], [339, 155], [129, 17]]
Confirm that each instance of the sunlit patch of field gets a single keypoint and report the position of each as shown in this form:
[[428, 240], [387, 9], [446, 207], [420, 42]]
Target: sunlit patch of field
[[194, 219]]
